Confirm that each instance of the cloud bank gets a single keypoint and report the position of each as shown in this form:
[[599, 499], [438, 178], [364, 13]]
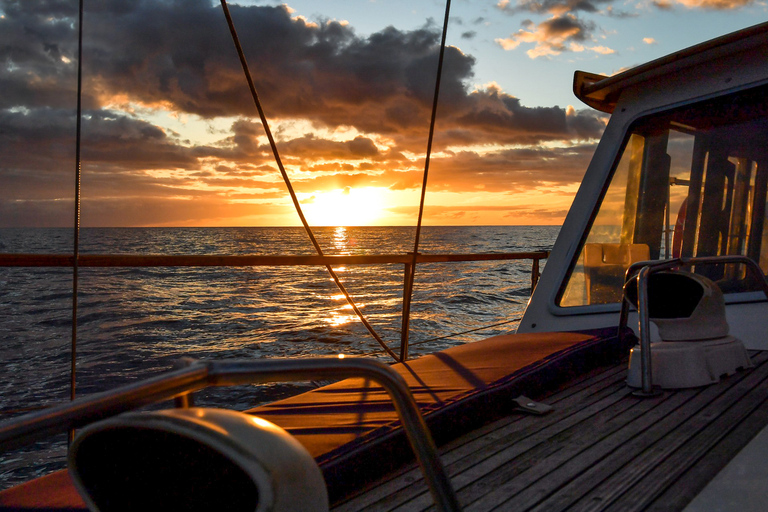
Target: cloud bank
[[347, 110]]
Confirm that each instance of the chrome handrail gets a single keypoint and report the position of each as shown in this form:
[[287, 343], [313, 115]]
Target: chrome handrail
[[643, 269], [201, 374]]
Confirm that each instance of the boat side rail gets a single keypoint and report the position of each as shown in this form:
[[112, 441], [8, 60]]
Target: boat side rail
[[226, 260], [201, 374], [215, 260], [643, 271]]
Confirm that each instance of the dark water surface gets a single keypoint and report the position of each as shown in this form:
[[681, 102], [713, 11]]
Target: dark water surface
[[135, 322]]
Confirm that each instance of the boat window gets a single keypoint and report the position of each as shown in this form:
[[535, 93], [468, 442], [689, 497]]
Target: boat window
[[691, 182]]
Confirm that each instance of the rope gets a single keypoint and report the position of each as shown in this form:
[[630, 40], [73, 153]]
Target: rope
[[76, 245], [287, 181], [408, 291]]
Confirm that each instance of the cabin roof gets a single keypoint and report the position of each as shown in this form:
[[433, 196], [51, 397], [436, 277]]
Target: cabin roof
[[602, 92]]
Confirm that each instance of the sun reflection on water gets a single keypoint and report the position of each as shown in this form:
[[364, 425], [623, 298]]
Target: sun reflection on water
[[337, 320], [340, 239]]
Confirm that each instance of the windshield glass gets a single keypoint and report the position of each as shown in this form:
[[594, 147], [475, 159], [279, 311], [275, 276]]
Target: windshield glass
[[691, 182]]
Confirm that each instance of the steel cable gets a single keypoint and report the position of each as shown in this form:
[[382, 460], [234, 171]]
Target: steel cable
[[286, 179], [76, 242], [408, 289]]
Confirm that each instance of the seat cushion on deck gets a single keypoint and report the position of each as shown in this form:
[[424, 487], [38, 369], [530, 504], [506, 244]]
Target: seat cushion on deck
[[351, 427], [50, 493]]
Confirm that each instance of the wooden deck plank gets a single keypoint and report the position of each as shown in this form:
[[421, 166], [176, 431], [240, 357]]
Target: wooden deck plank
[[488, 461], [483, 450], [696, 478], [601, 448], [684, 447], [578, 451], [409, 482], [615, 475]]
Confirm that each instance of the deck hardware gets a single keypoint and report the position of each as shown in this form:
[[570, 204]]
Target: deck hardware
[[525, 404], [643, 269]]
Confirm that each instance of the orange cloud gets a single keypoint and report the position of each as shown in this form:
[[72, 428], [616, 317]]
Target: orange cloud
[[720, 5], [563, 32]]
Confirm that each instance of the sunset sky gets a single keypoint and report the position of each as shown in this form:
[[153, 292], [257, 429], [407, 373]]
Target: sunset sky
[[172, 138]]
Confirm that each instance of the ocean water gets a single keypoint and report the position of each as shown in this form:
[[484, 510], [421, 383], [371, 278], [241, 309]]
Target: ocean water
[[135, 322]]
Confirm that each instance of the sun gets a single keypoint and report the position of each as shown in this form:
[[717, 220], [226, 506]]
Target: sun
[[345, 207]]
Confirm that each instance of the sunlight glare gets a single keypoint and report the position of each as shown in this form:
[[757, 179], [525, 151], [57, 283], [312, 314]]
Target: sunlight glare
[[337, 320], [345, 207]]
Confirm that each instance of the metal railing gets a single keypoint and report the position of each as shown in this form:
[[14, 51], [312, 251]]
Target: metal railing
[[155, 260], [201, 374]]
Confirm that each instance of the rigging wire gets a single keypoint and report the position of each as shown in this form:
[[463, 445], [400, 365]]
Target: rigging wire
[[408, 289], [288, 184], [76, 242]]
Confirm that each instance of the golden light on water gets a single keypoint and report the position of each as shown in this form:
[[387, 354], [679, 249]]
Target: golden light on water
[[337, 320]]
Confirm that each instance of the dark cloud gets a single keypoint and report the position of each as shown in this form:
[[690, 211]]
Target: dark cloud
[[160, 53], [555, 35], [362, 146], [567, 27], [556, 7], [494, 115], [44, 139], [178, 56], [320, 71]]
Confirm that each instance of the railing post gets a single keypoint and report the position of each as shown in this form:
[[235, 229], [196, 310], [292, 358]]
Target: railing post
[[645, 334], [186, 399], [534, 273], [405, 326]]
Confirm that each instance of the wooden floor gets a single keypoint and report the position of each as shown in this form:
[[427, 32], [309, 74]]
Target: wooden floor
[[600, 449]]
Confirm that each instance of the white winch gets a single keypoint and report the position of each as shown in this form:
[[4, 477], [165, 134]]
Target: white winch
[[695, 348]]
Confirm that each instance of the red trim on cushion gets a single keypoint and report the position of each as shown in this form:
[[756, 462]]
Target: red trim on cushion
[[53, 492]]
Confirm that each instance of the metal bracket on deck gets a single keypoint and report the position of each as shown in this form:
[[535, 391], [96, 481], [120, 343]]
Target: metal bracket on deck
[[525, 404]]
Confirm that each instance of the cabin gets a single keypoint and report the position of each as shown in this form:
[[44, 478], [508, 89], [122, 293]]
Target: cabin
[[680, 171]]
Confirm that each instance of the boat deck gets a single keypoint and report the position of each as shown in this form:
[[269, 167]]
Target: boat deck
[[601, 448]]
